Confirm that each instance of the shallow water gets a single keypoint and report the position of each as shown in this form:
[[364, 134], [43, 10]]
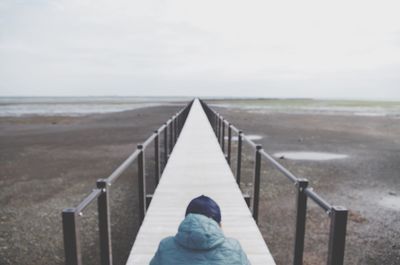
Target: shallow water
[[75, 106], [63, 109], [320, 107], [392, 202], [314, 156], [252, 137]]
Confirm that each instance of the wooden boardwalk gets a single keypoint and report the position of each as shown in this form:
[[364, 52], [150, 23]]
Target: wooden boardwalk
[[197, 166]]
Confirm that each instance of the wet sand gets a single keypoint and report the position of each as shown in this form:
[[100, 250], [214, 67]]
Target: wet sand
[[367, 182], [49, 163]]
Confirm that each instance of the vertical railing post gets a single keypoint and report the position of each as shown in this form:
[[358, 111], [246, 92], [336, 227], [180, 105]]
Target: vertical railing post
[[215, 124], [165, 145], [178, 121], [171, 144], [337, 235], [156, 157], [219, 127], [172, 132], [212, 115], [141, 184], [239, 158], [300, 222], [223, 136], [220, 130], [104, 224], [175, 128], [71, 237], [218, 124], [183, 117], [229, 143], [178, 118], [256, 187]]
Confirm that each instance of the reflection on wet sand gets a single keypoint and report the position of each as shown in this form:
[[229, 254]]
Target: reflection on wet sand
[[252, 137], [315, 156]]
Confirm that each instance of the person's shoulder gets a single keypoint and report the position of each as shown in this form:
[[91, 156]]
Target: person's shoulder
[[167, 239], [232, 243], [164, 246], [233, 251], [237, 248], [167, 242]]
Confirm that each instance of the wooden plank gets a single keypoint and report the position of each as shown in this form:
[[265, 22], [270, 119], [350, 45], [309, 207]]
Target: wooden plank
[[197, 166]]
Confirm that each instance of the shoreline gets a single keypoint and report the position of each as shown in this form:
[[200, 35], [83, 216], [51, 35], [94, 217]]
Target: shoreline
[[74, 109], [80, 106]]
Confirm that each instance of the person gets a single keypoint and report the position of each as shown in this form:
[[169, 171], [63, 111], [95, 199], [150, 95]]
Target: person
[[200, 239]]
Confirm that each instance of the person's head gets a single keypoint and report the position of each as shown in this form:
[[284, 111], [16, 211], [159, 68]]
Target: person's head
[[206, 206]]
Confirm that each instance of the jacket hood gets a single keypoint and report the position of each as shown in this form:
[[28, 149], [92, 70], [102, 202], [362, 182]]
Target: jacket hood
[[199, 232]]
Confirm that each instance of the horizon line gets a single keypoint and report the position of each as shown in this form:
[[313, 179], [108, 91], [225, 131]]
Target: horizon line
[[205, 97]]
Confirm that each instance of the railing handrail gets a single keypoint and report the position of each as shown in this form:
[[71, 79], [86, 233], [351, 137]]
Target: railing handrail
[[87, 200], [249, 141], [318, 200], [337, 214], [309, 191], [121, 168], [279, 167], [70, 215], [114, 176], [149, 140], [117, 172]]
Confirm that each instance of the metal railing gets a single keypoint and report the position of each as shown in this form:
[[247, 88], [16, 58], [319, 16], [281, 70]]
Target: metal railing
[[337, 214], [170, 131]]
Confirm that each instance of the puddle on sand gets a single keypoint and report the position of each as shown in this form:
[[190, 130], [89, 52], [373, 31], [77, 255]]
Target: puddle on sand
[[392, 202], [314, 156], [253, 137]]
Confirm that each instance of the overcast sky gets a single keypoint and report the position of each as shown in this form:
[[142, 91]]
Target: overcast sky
[[328, 49]]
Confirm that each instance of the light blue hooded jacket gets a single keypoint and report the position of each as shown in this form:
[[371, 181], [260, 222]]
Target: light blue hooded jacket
[[199, 241]]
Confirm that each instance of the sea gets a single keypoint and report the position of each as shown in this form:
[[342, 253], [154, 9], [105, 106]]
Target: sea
[[77, 106], [368, 108]]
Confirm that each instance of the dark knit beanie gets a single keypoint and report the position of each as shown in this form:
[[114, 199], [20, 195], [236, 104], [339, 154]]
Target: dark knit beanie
[[206, 206]]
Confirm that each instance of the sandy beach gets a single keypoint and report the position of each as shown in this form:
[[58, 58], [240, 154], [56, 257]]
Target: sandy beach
[[367, 181], [49, 163]]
